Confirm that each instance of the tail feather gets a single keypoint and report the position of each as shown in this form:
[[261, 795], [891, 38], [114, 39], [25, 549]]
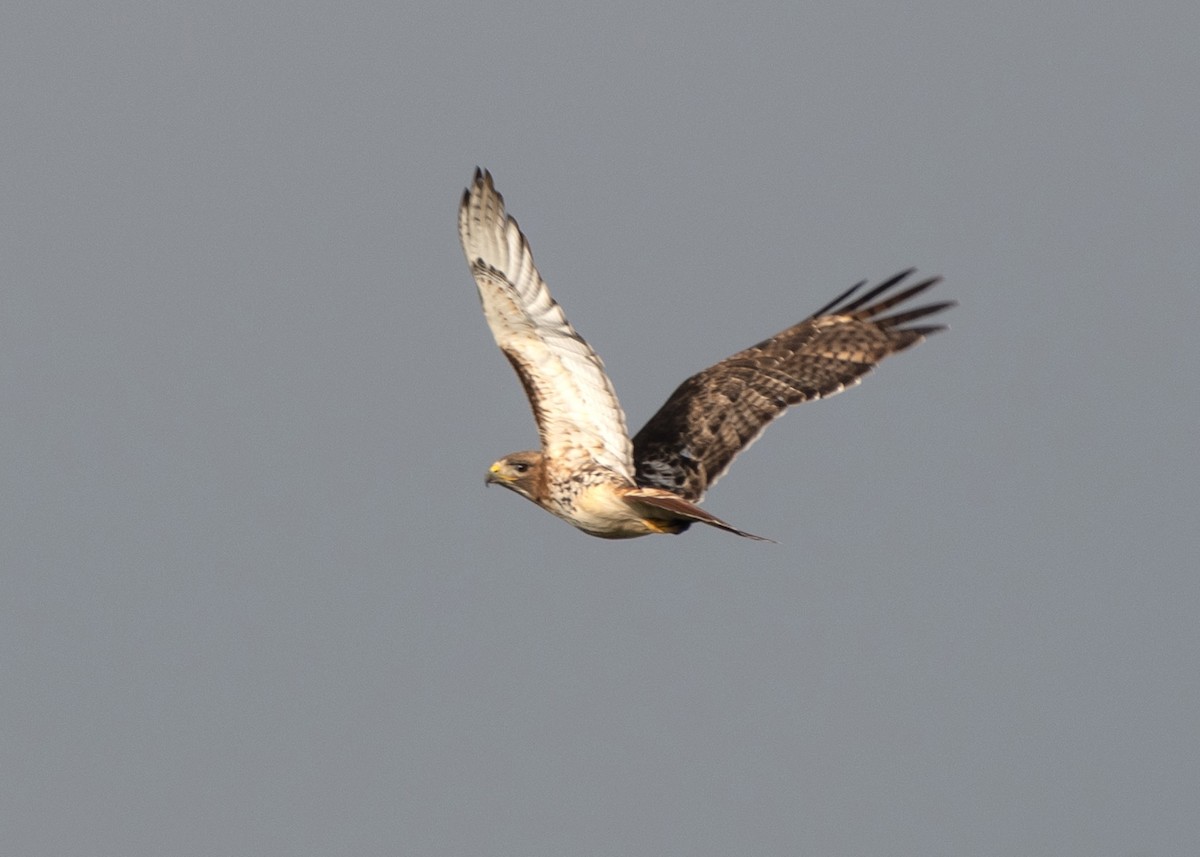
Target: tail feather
[[685, 510]]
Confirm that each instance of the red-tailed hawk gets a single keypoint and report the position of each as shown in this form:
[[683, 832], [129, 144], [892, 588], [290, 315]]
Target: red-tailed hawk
[[588, 472]]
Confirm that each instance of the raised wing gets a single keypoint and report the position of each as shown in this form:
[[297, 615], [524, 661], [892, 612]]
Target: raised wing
[[572, 398], [688, 445]]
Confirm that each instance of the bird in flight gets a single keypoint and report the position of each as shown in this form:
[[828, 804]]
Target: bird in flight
[[588, 472]]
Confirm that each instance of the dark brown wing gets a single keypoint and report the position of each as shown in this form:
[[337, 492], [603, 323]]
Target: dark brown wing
[[688, 445]]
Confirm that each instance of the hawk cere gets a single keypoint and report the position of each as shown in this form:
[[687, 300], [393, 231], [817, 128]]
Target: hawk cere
[[588, 472]]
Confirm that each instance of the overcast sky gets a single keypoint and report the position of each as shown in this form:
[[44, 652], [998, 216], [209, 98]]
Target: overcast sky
[[257, 600]]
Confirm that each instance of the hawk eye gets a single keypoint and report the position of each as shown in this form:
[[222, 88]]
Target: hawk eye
[[520, 466]]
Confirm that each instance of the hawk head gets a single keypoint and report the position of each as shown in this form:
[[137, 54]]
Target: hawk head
[[521, 472]]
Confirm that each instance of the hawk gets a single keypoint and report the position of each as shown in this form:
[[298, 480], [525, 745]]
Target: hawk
[[588, 472]]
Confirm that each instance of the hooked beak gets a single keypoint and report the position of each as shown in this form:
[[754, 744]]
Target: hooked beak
[[493, 476]]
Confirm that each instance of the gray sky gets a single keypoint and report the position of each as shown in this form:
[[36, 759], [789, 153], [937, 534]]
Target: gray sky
[[258, 601]]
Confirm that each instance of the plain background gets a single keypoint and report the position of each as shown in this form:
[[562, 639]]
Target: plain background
[[256, 599]]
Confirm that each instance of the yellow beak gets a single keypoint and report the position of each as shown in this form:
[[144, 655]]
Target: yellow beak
[[493, 475]]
